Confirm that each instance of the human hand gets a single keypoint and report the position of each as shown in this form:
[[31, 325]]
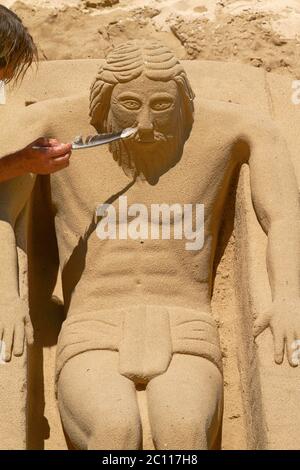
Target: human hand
[[283, 318], [15, 327], [48, 157]]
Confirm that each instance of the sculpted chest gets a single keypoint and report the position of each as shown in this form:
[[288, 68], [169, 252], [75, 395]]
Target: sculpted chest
[[94, 177]]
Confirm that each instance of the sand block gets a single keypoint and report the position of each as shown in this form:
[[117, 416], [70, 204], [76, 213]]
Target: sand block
[[270, 392]]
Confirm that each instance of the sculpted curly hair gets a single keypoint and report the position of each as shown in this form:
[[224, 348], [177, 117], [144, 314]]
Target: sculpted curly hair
[[127, 62]]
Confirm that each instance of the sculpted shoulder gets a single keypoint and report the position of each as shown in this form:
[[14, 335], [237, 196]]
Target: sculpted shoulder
[[232, 120], [62, 117]]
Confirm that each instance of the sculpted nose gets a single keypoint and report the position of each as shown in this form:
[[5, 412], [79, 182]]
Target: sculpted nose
[[146, 134], [145, 127]]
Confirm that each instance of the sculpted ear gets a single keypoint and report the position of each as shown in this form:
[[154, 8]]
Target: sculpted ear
[[187, 103], [100, 97]]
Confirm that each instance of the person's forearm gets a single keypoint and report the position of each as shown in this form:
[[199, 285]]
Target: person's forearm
[[11, 166], [283, 258], [9, 276]]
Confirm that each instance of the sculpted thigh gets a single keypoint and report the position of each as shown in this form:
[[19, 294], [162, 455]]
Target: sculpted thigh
[[185, 404], [98, 406]]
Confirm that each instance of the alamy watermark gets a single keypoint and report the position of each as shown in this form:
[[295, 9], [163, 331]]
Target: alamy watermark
[[160, 222]]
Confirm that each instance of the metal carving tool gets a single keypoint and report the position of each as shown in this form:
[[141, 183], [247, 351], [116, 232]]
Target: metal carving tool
[[98, 139], [101, 139]]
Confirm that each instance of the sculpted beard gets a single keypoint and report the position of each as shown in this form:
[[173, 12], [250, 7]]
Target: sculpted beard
[[148, 161]]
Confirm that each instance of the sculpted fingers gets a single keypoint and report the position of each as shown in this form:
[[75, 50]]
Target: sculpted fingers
[[279, 340], [8, 338], [18, 346], [290, 350], [261, 323], [14, 326], [296, 349], [1, 343], [29, 330]]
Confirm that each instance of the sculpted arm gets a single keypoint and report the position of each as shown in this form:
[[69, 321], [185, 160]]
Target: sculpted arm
[[14, 316], [17, 164], [276, 203]]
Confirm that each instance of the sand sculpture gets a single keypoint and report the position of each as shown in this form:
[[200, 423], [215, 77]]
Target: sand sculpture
[[138, 311]]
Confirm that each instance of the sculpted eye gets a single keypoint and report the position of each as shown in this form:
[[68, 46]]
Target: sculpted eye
[[131, 104], [161, 105]]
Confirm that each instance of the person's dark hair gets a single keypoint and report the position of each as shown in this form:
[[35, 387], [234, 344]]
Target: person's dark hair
[[17, 48]]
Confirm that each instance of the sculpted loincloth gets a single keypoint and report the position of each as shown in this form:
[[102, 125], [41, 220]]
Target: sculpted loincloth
[[145, 336]]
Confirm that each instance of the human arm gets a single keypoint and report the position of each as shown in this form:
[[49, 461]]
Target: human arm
[[53, 157]]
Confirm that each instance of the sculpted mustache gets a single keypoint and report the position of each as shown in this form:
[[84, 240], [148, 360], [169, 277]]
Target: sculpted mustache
[[157, 137]]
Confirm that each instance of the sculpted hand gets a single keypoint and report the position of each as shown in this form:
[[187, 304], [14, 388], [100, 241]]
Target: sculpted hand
[[283, 318], [52, 156], [15, 326]]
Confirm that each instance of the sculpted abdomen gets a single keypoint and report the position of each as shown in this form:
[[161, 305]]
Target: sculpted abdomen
[[156, 271]]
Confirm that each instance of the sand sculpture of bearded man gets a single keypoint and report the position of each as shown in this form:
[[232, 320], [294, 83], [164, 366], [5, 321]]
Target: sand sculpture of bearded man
[[141, 325], [157, 64], [138, 308]]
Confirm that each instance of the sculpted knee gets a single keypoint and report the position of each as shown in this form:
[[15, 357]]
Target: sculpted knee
[[181, 432], [116, 433]]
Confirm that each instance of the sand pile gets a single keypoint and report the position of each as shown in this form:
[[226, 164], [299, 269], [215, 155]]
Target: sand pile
[[260, 33]]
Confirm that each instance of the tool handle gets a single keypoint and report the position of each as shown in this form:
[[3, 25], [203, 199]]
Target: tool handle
[[37, 147]]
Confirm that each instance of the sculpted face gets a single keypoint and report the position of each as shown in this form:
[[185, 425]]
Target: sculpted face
[[154, 108], [149, 105]]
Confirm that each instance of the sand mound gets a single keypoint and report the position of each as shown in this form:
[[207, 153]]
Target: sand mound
[[263, 34]]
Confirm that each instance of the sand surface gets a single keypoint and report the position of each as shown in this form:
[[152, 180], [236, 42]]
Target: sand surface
[[262, 33]]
